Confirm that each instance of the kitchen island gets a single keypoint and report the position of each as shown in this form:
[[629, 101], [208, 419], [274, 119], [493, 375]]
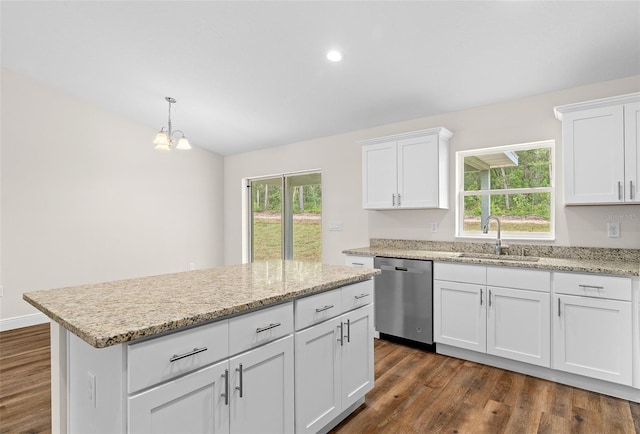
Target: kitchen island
[[109, 343]]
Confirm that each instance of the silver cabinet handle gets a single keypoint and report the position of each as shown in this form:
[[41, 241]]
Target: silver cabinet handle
[[594, 287], [269, 327], [240, 388], [322, 309], [398, 199], [619, 190], [189, 354], [358, 297], [357, 264], [631, 190], [341, 338], [558, 306], [393, 200], [480, 296], [489, 298], [226, 386], [349, 331]]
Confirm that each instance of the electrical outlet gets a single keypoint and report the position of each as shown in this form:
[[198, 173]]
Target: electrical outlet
[[613, 230], [192, 266], [91, 388], [434, 227], [1, 290]]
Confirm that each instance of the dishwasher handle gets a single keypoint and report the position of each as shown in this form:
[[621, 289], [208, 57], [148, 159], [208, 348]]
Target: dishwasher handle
[[402, 269]]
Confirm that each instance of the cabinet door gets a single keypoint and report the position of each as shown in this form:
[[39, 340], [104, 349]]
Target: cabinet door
[[632, 152], [317, 376], [418, 169], [262, 389], [357, 354], [459, 315], [592, 337], [519, 325], [379, 176], [191, 404], [593, 148]]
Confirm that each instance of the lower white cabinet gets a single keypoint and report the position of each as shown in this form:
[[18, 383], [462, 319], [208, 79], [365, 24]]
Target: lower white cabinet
[[460, 318], [509, 321], [251, 392], [593, 326], [177, 406], [334, 367], [359, 261]]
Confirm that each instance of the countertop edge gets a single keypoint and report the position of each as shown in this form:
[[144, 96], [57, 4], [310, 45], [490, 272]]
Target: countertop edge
[[201, 319]]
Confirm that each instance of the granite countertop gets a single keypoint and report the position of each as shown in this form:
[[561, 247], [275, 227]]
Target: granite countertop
[[585, 260], [111, 313]]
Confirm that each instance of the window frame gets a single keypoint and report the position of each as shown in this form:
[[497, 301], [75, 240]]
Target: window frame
[[505, 235]]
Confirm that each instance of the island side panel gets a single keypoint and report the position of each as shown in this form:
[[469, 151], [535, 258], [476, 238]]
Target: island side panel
[[59, 352], [97, 387]]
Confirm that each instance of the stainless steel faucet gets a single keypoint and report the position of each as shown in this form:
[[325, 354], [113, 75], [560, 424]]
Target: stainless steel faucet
[[497, 249]]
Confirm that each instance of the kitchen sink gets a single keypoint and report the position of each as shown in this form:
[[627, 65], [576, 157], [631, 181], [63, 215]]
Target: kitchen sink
[[498, 257]]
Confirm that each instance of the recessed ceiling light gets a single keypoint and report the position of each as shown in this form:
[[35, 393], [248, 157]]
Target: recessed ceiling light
[[334, 56]]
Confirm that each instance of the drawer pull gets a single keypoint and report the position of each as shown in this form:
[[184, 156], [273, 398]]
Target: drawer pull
[[322, 309], [357, 264], [189, 354], [357, 297], [269, 327], [593, 287]]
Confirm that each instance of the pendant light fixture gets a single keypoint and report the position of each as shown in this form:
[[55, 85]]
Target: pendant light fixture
[[164, 140]]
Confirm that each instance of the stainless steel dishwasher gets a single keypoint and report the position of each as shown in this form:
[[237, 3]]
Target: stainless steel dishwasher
[[404, 298]]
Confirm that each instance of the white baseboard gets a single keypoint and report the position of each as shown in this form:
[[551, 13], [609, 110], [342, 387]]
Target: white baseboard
[[23, 321]]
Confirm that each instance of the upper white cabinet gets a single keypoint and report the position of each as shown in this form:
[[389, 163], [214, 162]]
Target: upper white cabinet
[[407, 170], [601, 150]]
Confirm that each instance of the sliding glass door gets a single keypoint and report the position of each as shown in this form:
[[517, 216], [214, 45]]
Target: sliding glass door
[[289, 225]]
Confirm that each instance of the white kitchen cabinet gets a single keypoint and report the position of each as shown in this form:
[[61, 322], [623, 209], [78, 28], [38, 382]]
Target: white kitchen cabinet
[[407, 170], [177, 406], [493, 310], [460, 317], [601, 144], [333, 363], [592, 326], [359, 261], [519, 325], [261, 382]]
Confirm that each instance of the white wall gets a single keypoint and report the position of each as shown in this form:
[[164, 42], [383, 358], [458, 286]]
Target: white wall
[[524, 120], [85, 197]]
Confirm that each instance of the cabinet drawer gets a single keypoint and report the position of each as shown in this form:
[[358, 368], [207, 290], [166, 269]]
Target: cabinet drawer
[[356, 295], [460, 272], [593, 285], [256, 328], [359, 261], [519, 278], [163, 358], [317, 308]]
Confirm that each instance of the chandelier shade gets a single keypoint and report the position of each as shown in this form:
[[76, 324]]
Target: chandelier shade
[[164, 140]]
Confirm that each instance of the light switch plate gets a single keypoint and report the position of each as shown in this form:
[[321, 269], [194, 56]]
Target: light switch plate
[[335, 225], [613, 230]]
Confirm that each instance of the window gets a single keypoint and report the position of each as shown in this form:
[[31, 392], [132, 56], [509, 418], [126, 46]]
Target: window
[[289, 225], [514, 183]]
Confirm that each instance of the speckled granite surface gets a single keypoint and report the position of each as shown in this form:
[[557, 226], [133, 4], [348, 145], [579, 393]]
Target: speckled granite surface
[[111, 313], [624, 262]]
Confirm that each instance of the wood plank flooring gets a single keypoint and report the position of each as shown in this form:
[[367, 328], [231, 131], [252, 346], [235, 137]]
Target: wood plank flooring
[[25, 380], [416, 392], [423, 392]]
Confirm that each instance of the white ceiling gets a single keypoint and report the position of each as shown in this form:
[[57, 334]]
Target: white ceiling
[[250, 75]]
